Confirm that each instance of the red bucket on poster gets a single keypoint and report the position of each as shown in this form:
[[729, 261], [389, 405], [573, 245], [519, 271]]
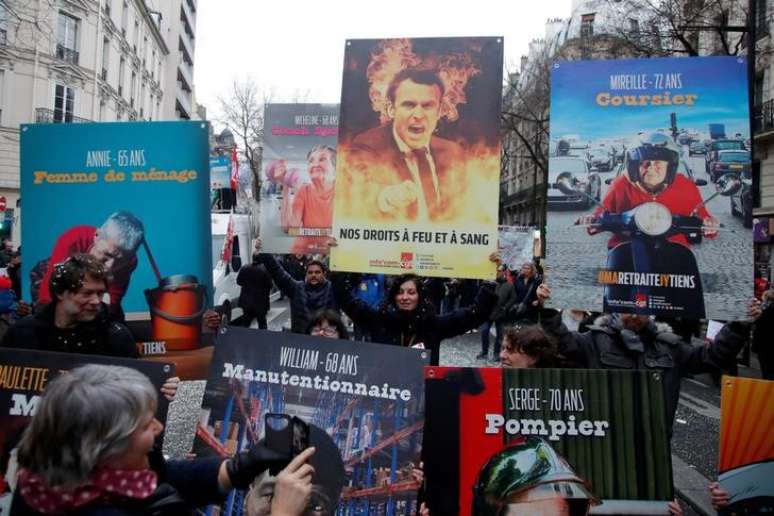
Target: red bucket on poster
[[176, 308]]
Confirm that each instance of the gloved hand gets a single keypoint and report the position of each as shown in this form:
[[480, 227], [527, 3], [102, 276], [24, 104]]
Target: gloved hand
[[243, 467]]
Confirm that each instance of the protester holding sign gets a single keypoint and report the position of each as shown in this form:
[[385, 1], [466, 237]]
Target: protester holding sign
[[90, 449], [630, 341], [406, 317], [76, 321], [312, 294]]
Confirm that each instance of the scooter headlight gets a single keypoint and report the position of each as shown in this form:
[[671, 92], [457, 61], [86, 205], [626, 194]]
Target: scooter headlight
[[653, 218]]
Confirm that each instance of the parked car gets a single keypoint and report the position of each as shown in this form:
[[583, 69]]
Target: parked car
[[697, 148], [585, 180], [720, 145], [600, 159], [742, 201], [736, 161]]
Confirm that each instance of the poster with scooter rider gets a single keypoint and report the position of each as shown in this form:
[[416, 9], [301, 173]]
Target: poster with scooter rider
[[649, 188], [297, 183], [136, 197]]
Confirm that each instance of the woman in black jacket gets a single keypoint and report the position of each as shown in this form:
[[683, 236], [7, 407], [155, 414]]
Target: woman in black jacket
[[407, 318], [89, 450]]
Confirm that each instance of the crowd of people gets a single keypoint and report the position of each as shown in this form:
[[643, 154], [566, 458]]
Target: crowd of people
[[95, 428]]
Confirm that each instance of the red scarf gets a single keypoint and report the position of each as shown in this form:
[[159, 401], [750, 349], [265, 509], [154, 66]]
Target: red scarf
[[104, 485]]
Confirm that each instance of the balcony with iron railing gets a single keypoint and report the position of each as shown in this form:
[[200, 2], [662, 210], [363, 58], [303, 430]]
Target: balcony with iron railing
[[49, 116], [67, 54], [189, 15], [763, 118], [185, 72], [186, 46]]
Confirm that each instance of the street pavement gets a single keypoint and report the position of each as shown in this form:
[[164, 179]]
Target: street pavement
[[725, 263], [694, 443]]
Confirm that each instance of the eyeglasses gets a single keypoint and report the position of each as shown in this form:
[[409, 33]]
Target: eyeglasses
[[328, 331]]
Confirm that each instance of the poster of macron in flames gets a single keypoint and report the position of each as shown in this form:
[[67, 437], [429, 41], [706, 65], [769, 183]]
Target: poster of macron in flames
[[650, 187], [417, 175]]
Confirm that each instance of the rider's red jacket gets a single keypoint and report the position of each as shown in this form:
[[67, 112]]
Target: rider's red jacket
[[681, 197], [79, 239]]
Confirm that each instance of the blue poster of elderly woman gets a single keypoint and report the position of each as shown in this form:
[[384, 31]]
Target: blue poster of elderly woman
[[650, 190], [133, 195]]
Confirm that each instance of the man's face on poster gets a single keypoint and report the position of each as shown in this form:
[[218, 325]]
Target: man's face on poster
[[108, 252], [549, 507], [653, 172], [261, 494], [415, 112]]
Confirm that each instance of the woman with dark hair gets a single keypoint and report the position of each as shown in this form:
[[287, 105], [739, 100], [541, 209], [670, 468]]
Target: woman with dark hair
[[407, 318], [327, 323], [527, 347]]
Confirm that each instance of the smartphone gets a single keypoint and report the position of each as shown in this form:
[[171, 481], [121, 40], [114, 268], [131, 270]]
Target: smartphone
[[286, 435]]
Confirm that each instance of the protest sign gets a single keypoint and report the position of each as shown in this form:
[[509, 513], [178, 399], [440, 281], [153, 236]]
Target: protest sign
[[220, 182], [363, 402], [24, 375], [746, 465], [298, 178], [516, 245], [512, 437], [639, 219], [125, 194], [417, 178]]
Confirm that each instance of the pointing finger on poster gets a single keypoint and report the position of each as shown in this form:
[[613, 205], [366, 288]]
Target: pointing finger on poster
[[257, 245], [496, 258], [398, 196]]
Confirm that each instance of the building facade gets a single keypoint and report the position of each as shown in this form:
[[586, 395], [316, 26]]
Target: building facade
[[75, 61], [178, 28]]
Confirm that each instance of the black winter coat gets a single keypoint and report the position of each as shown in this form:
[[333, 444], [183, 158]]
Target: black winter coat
[[607, 346], [98, 337], [389, 325], [304, 299], [183, 485], [256, 287]]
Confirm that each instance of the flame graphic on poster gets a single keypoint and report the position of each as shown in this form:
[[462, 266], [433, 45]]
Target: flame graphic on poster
[[395, 55]]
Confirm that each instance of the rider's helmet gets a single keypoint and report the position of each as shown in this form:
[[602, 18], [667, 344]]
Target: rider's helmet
[[652, 147], [529, 470]]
